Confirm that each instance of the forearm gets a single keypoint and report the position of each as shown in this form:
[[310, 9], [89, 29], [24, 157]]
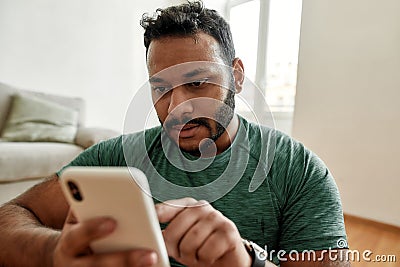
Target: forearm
[[24, 241]]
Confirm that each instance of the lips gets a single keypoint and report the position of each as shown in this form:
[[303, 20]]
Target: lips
[[185, 130]]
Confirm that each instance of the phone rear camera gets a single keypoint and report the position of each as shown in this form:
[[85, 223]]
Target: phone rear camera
[[73, 188]]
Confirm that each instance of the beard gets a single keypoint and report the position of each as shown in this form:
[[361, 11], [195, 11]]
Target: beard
[[223, 117]]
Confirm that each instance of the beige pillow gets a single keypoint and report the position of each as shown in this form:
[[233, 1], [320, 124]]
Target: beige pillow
[[35, 119]]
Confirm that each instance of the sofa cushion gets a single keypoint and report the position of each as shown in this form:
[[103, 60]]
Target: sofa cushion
[[20, 160], [7, 91], [36, 119], [5, 102], [86, 137]]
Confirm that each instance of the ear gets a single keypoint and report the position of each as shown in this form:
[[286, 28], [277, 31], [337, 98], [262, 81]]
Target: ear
[[238, 74]]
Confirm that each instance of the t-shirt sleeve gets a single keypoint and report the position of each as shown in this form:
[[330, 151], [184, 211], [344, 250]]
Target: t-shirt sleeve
[[311, 210], [105, 153]]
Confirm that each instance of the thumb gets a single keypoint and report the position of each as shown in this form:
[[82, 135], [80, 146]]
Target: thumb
[[71, 218]]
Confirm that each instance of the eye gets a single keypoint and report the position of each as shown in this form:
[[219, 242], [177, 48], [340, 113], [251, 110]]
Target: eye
[[160, 89], [198, 83]]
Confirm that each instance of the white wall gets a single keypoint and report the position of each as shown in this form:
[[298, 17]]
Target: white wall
[[347, 103], [87, 48]]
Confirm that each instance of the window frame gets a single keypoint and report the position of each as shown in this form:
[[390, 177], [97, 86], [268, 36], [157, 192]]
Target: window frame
[[262, 47]]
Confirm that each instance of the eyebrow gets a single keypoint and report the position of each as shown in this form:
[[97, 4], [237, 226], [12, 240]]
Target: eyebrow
[[190, 74], [156, 80], [194, 73]]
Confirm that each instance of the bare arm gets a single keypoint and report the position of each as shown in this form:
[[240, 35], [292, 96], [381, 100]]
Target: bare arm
[[30, 224], [31, 235]]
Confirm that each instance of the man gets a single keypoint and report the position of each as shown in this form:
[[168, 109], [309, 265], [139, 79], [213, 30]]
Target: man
[[296, 207]]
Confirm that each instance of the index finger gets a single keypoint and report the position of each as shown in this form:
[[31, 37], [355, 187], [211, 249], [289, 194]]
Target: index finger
[[168, 210]]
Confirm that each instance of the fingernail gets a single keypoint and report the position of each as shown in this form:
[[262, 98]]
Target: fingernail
[[107, 226], [148, 259]]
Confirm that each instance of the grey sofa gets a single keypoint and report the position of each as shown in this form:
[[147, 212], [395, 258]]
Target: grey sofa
[[34, 160]]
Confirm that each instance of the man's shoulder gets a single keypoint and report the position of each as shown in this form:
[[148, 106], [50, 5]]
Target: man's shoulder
[[269, 137], [290, 163], [261, 134], [286, 157], [148, 134]]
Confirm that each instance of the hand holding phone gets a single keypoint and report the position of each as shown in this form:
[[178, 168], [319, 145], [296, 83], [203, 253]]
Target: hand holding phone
[[120, 193], [72, 246]]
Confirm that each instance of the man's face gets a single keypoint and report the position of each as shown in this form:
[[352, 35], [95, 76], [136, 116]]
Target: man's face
[[194, 100]]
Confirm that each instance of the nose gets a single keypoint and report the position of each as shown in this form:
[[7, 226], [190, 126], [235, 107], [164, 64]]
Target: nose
[[180, 102]]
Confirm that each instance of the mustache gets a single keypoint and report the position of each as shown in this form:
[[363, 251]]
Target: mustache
[[174, 121]]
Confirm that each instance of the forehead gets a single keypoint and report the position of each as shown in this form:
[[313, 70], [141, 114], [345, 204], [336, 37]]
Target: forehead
[[174, 50]]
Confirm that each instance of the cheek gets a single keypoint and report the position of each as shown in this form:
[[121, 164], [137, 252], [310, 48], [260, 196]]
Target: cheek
[[221, 98], [214, 92], [161, 108], [220, 92]]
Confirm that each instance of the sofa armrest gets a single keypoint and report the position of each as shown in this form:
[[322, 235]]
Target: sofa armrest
[[86, 137]]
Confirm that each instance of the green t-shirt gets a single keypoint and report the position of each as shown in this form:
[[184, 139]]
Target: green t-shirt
[[296, 205]]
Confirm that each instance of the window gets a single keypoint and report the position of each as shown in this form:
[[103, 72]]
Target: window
[[266, 36]]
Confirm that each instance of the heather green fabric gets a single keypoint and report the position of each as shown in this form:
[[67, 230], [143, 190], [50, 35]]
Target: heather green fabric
[[297, 207], [35, 119]]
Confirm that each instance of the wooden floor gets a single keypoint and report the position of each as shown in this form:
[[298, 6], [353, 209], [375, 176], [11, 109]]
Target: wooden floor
[[381, 239]]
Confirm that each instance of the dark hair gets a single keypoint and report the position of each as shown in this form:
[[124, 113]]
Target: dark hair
[[187, 20]]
